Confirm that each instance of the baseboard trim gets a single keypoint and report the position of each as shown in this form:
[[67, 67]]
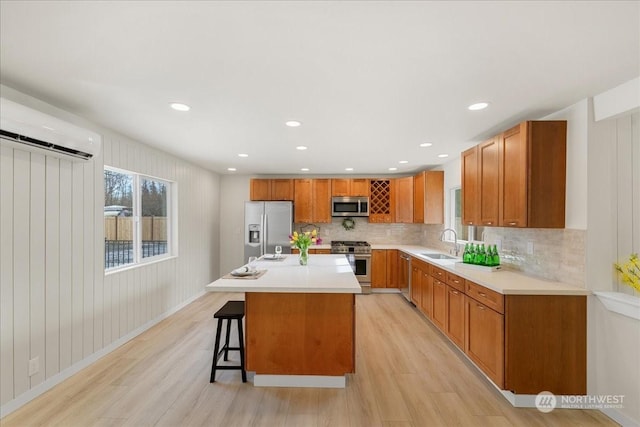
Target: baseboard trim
[[49, 383]]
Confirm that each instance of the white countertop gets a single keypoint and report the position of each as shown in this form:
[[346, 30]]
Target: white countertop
[[503, 281], [322, 274]]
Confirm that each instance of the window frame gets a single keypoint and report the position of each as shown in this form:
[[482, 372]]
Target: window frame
[[171, 210]]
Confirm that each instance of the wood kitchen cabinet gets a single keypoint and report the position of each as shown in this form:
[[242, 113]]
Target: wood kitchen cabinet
[[517, 178], [484, 343], [428, 197], [378, 268], [455, 316], [381, 201], [427, 293], [488, 180], [533, 175], [344, 187], [271, 189], [404, 200], [470, 187], [312, 200], [416, 284], [392, 268], [439, 307]]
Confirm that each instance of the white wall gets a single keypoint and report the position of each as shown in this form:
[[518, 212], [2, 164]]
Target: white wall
[[234, 192], [56, 302]]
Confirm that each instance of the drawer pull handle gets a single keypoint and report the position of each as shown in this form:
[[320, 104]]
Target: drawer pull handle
[[488, 222], [454, 292], [480, 307], [512, 223], [482, 294]]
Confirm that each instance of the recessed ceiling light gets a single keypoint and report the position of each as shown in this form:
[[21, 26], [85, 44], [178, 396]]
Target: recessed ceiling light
[[293, 123], [393, 169], [301, 147], [304, 169], [348, 169], [243, 155], [426, 144], [402, 162], [178, 106], [478, 106], [231, 169], [442, 156]]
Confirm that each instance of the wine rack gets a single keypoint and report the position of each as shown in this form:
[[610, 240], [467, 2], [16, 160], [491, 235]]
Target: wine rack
[[380, 201]]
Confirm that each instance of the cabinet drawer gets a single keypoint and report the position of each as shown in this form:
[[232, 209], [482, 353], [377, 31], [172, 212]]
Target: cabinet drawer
[[486, 296], [438, 273], [455, 281]]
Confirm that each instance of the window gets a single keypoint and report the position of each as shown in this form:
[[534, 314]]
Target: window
[[455, 215], [136, 218]]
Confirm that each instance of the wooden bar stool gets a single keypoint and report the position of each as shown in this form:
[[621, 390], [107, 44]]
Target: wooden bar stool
[[230, 311]]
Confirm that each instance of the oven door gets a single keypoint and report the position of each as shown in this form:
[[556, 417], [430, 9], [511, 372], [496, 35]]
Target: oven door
[[361, 264]]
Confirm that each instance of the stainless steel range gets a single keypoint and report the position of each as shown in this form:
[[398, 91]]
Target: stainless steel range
[[359, 256]]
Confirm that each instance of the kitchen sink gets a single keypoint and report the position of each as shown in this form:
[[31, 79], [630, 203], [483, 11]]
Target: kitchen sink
[[437, 256]]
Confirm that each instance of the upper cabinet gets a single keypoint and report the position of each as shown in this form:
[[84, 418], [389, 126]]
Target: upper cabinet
[[312, 200], [403, 199], [518, 178], [271, 189], [381, 201], [428, 197], [532, 175], [344, 187]]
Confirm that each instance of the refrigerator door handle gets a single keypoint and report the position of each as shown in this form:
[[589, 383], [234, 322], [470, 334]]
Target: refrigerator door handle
[[265, 220]]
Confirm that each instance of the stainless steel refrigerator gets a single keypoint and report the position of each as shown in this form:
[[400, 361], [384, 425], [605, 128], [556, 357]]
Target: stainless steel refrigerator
[[267, 224]]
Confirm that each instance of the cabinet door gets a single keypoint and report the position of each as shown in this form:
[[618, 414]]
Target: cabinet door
[[416, 286], [282, 189], [418, 198], [378, 268], [434, 197], [439, 312], [340, 187], [470, 187], [513, 177], [455, 324], [427, 294], [485, 339], [260, 189], [392, 268], [321, 200], [360, 187], [489, 181], [380, 201], [323, 251], [302, 200], [404, 200]]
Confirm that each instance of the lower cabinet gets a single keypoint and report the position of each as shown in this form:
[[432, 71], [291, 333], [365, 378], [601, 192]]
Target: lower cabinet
[[524, 343], [439, 311], [485, 339], [384, 268], [455, 316]]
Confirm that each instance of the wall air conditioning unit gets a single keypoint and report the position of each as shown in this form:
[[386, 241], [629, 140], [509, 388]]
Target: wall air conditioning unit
[[28, 129]]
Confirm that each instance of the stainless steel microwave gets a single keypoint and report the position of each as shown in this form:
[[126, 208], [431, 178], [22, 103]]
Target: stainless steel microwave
[[349, 206]]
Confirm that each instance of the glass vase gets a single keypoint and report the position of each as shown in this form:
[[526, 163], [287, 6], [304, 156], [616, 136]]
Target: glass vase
[[303, 257]]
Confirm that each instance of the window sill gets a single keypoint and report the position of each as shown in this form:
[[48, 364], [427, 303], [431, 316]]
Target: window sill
[[142, 264], [627, 305]]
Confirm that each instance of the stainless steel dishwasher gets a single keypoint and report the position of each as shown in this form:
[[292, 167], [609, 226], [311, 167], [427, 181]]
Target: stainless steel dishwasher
[[405, 276]]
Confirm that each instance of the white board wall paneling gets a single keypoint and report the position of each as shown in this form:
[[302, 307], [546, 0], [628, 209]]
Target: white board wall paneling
[[66, 264], [114, 284], [88, 229], [21, 279], [52, 267], [131, 300], [98, 253], [137, 320], [77, 264], [36, 216], [6, 274], [122, 303], [635, 134], [624, 185]]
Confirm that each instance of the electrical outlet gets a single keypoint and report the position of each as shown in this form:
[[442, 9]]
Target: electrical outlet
[[34, 366], [529, 247]]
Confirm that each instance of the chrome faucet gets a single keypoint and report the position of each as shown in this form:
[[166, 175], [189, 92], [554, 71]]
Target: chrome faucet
[[455, 239]]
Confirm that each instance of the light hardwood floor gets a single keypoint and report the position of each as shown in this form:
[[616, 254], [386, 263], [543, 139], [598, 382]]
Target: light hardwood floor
[[407, 374]]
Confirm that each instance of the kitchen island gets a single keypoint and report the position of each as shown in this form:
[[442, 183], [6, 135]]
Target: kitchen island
[[300, 320]]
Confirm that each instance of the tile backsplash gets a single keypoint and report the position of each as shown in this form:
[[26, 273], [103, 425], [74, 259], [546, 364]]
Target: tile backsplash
[[557, 254]]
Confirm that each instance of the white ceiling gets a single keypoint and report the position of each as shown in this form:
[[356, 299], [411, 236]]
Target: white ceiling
[[370, 81]]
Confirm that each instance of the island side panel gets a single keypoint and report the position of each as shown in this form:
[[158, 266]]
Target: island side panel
[[300, 334]]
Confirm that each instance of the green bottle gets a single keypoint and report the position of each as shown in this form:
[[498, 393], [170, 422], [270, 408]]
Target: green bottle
[[496, 257], [472, 254]]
